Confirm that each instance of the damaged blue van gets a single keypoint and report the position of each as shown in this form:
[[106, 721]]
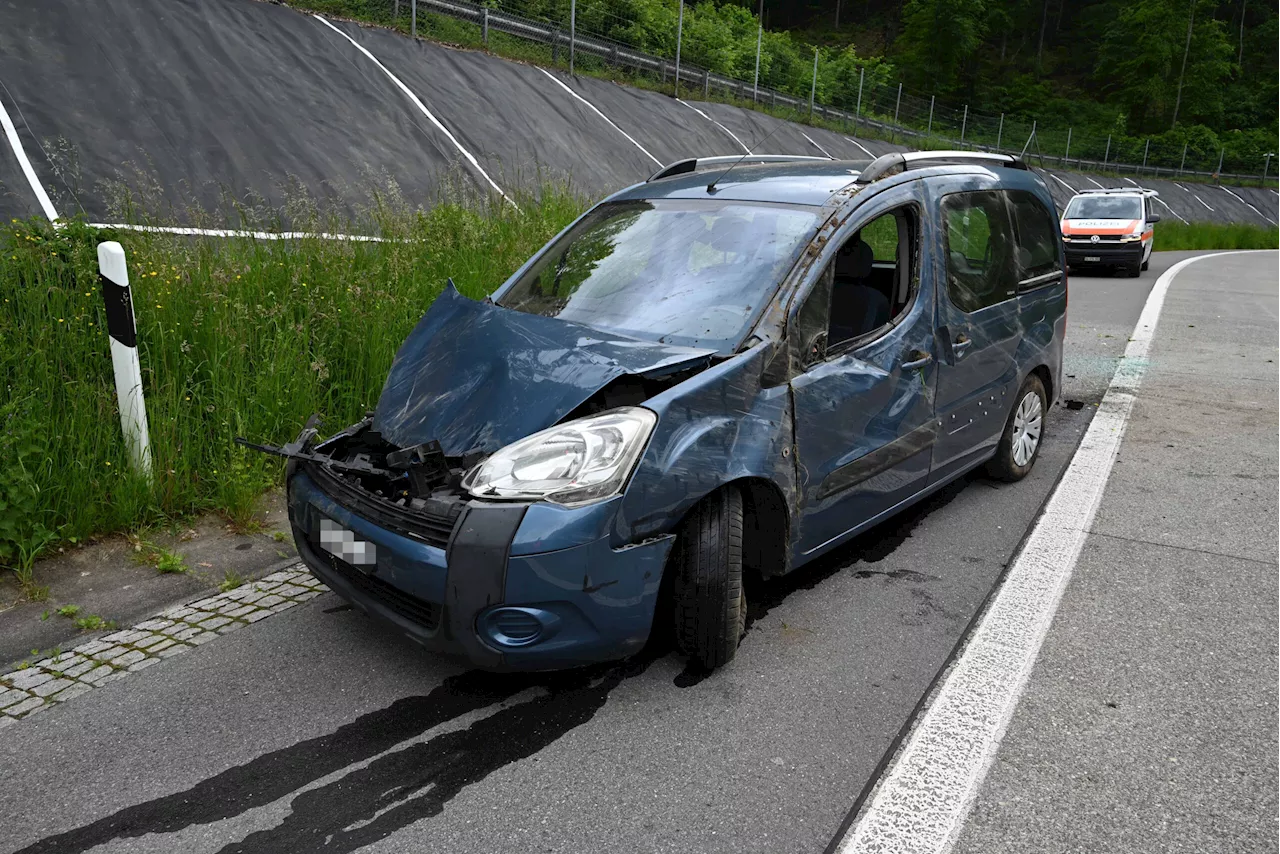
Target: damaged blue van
[[727, 370]]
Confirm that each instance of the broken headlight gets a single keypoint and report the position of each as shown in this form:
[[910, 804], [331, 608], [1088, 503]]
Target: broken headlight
[[573, 463]]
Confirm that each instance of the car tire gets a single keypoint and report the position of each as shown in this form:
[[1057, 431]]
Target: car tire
[[1023, 433], [709, 598], [1146, 265], [1135, 270]]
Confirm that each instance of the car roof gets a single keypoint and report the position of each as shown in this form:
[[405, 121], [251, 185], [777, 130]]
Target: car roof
[[806, 182]]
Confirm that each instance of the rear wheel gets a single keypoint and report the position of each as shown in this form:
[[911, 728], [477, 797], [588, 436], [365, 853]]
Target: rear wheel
[[1146, 264], [1020, 443], [710, 601]]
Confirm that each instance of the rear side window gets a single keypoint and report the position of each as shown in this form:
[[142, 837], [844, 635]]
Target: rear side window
[[981, 268], [1037, 235]]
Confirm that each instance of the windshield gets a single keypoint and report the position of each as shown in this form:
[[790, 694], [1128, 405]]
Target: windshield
[[691, 273], [1105, 207]]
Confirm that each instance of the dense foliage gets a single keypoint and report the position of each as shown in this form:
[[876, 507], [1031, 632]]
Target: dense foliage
[[1104, 67]]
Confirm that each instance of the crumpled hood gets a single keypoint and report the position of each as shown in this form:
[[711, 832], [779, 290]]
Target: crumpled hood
[[475, 376]]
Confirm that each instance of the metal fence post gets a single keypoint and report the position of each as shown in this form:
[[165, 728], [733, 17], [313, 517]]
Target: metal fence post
[[857, 113], [897, 105], [1029, 138], [755, 86], [706, 85], [1266, 162], [964, 123], [679, 34], [1107, 154], [1183, 164], [484, 26], [813, 90], [1000, 132], [573, 34], [122, 330], [1067, 154], [413, 26], [1145, 151], [1221, 155], [929, 132]]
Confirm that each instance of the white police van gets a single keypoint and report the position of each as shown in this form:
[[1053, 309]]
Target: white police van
[[1110, 228]]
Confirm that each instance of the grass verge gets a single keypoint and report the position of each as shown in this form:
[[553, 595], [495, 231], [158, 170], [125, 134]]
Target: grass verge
[[236, 337], [1212, 235]]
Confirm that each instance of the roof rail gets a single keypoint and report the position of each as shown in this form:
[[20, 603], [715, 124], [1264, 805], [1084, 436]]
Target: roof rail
[[886, 163], [693, 164]]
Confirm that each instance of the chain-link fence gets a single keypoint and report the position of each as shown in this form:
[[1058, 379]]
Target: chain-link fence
[[589, 38]]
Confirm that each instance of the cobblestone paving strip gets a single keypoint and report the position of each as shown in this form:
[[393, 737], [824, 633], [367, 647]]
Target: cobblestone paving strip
[[50, 681]]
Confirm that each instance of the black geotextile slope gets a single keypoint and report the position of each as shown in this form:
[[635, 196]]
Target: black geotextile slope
[[217, 103]]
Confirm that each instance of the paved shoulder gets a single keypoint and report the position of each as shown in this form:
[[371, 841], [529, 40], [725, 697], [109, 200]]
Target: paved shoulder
[[1149, 723]]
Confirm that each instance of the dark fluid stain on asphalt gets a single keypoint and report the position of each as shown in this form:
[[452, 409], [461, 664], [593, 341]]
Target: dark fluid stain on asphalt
[[1073, 405], [871, 546], [391, 792], [338, 609]]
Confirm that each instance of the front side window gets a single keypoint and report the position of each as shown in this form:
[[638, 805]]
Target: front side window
[[1104, 207], [1037, 234], [981, 268], [692, 273]]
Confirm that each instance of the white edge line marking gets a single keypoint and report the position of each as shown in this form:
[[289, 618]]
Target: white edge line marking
[[860, 145], [1252, 208], [417, 102], [717, 124], [18, 152], [1094, 183], [1130, 180], [1181, 187], [1202, 201], [1169, 209], [825, 153], [229, 232], [592, 106], [921, 803]]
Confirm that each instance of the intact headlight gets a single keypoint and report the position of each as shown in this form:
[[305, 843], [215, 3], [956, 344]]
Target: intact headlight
[[573, 463]]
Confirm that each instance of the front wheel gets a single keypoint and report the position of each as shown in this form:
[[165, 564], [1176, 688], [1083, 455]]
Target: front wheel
[[1020, 443], [1135, 270], [710, 601]]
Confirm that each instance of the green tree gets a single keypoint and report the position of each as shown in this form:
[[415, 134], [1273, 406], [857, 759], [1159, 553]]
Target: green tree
[[938, 38]]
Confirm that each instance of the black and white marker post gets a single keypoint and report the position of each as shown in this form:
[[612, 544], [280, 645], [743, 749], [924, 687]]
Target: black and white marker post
[[123, 334]]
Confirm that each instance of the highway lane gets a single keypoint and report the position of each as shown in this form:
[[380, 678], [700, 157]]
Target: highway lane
[[320, 730]]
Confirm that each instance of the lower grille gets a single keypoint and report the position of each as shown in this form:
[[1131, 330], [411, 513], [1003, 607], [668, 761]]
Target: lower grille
[[420, 611], [433, 523]]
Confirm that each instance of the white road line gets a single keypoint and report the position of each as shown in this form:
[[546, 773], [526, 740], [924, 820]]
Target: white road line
[[18, 152], [1094, 183], [1201, 201], [921, 803], [863, 147], [825, 153], [1169, 209], [717, 124], [1063, 183], [1181, 187], [1131, 181], [417, 102], [1252, 208], [229, 232], [601, 115]]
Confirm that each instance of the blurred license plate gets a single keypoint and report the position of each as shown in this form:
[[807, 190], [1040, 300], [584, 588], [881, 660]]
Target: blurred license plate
[[1093, 257], [340, 542]]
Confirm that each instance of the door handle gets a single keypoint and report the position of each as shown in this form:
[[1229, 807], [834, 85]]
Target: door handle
[[918, 359], [961, 344]]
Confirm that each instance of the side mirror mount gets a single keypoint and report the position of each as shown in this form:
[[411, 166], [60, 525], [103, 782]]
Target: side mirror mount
[[1153, 218]]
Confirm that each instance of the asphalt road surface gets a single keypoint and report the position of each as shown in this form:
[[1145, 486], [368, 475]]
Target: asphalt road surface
[[319, 730]]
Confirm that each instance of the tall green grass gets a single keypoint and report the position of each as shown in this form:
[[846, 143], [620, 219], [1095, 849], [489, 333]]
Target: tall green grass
[[1213, 235], [236, 337]]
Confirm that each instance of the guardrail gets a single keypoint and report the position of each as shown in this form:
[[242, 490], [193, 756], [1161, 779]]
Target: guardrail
[[690, 78]]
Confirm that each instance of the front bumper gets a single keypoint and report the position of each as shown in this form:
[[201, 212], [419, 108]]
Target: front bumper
[[1108, 254], [553, 568]]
